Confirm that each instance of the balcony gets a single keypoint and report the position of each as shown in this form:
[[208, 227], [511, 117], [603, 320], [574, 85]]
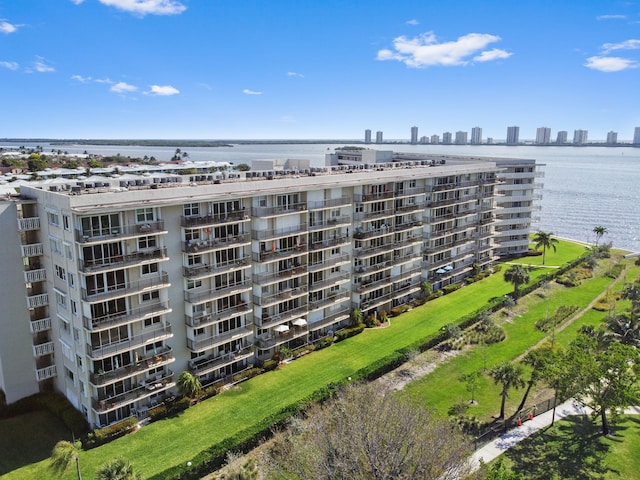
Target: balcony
[[45, 373], [276, 319], [399, 227], [410, 192], [146, 389], [362, 234], [37, 275], [230, 217], [279, 232], [127, 288], [32, 250], [332, 261], [373, 197], [97, 352], [270, 340], [330, 280], [119, 261], [42, 325], [207, 342], [363, 252], [202, 319], [272, 277], [329, 243], [43, 349], [28, 224], [164, 356], [279, 210], [374, 215], [284, 294], [333, 222], [201, 271], [411, 207], [330, 203], [204, 365], [343, 314], [368, 284], [331, 299], [217, 292], [35, 301], [119, 232], [116, 319], [361, 269], [279, 254], [203, 246]]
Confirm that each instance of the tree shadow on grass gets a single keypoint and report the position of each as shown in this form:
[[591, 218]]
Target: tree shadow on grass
[[572, 449]]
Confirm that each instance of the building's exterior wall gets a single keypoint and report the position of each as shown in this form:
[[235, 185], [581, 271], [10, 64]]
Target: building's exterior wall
[[215, 274]]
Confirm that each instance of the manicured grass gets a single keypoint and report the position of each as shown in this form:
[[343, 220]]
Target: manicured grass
[[442, 388], [175, 441], [39, 430], [574, 448]]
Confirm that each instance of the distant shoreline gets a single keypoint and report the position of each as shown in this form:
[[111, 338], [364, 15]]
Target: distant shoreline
[[231, 143]]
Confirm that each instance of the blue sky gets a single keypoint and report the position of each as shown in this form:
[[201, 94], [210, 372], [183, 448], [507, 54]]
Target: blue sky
[[234, 69]]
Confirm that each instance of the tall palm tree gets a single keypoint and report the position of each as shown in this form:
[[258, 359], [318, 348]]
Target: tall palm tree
[[599, 230], [544, 240], [537, 359], [64, 454], [508, 376], [189, 385], [117, 469], [516, 275]]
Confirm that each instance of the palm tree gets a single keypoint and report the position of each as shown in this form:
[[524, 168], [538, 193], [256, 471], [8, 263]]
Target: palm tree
[[544, 240], [537, 359], [64, 454], [117, 469], [517, 275], [624, 329], [189, 385], [632, 292], [507, 375], [599, 230]]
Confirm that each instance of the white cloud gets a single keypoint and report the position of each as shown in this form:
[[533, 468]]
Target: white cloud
[[412, 22], [295, 74], [122, 87], [610, 64], [9, 65], [632, 44], [611, 17], [40, 66], [425, 50], [6, 27], [81, 79], [77, 2], [147, 7], [163, 91], [489, 55], [246, 91]]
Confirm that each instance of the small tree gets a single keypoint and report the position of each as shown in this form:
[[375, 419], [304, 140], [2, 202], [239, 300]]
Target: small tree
[[545, 241], [426, 288], [599, 230], [516, 275], [117, 469], [471, 380], [508, 376], [63, 455], [357, 317], [189, 385]]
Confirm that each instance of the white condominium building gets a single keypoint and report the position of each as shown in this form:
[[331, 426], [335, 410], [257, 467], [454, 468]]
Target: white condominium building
[[121, 283]]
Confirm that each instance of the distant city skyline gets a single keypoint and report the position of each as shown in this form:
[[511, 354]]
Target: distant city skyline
[[174, 69]]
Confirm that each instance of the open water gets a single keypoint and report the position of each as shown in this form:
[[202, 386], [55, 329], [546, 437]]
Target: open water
[[583, 186]]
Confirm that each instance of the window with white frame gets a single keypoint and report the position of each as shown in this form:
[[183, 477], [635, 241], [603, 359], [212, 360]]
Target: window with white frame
[[61, 300], [150, 296], [66, 222], [191, 209], [150, 268], [53, 219], [149, 322], [191, 284], [61, 273], [144, 215], [71, 280], [147, 242], [68, 251], [56, 246]]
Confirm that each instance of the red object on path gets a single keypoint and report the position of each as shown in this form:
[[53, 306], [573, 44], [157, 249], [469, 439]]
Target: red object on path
[[531, 415]]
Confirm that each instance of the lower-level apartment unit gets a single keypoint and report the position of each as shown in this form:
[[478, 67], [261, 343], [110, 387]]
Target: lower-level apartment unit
[[124, 282]]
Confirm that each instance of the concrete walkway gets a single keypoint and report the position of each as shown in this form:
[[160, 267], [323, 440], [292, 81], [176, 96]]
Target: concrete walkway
[[501, 444]]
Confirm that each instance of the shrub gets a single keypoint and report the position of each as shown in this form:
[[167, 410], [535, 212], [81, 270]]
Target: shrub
[[246, 374], [451, 288], [270, 364], [325, 342], [111, 432], [349, 332], [563, 312]]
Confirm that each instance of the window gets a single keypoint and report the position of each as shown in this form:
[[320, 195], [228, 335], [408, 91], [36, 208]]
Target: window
[[149, 268], [194, 260], [56, 246], [193, 284], [147, 242], [192, 234], [74, 307], [76, 335], [61, 300], [72, 280], [64, 326], [68, 251], [191, 209], [149, 322], [144, 215], [53, 219], [66, 222], [149, 296], [61, 273], [198, 331]]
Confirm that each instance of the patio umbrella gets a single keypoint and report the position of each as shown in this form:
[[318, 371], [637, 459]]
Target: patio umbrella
[[441, 271], [448, 268], [281, 328]]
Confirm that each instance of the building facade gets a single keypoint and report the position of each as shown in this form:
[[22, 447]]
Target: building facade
[[367, 136], [461, 138], [414, 135], [562, 137], [543, 136], [612, 138], [128, 282], [513, 135], [379, 137], [476, 136], [636, 136], [580, 137]]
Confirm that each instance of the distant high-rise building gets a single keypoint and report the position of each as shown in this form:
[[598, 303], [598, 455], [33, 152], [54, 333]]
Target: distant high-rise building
[[435, 139], [543, 136], [461, 138], [476, 136], [367, 136], [513, 135], [636, 136], [414, 135], [561, 139], [580, 137], [446, 138], [424, 140], [378, 136], [612, 138], [489, 140]]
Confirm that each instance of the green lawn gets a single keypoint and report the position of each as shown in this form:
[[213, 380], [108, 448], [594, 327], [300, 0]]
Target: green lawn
[[574, 448], [442, 388], [175, 441]]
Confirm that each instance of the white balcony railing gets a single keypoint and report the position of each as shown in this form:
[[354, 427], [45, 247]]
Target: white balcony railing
[[46, 372]]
